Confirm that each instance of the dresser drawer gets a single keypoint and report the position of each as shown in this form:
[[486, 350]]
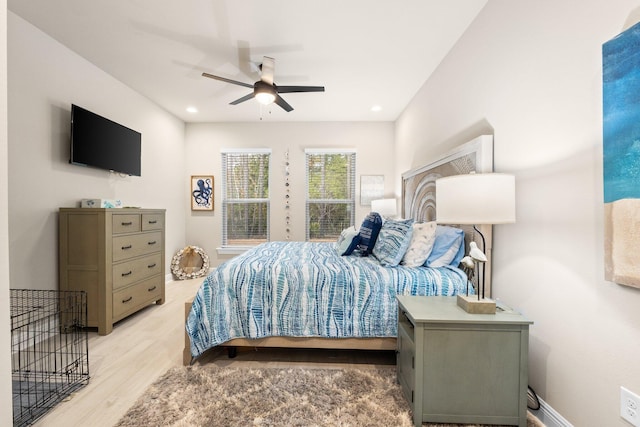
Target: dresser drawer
[[125, 223], [129, 272], [128, 300], [152, 222], [136, 245]]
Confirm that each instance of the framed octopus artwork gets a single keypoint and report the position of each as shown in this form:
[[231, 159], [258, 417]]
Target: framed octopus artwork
[[201, 192]]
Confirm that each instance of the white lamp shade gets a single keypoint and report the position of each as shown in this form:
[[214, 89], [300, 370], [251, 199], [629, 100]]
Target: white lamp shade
[[476, 198], [385, 207]]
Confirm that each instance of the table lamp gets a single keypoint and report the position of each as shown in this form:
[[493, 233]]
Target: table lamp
[[387, 208], [476, 199]]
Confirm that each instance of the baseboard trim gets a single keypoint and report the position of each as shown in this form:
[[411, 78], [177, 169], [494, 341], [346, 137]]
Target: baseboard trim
[[549, 416], [169, 277]]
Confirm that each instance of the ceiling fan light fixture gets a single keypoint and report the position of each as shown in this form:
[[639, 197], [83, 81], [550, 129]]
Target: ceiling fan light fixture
[[264, 93], [265, 98]]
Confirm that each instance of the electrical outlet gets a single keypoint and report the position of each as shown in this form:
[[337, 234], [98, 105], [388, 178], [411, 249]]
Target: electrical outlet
[[629, 403]]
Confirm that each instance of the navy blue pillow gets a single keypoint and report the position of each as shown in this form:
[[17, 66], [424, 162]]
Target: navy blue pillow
[[368, 233]]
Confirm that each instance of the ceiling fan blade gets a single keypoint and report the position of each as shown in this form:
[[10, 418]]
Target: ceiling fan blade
[[244, 98], [222, 79], [282, 103], [268, 68], [291, 89]]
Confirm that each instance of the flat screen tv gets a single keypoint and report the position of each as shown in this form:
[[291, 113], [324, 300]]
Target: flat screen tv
[[99, 142]]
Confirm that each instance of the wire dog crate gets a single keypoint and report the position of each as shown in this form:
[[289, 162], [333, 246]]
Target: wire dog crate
[[49, 350]]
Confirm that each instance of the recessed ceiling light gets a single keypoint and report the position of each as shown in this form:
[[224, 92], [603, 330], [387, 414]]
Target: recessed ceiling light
[[376, 108], [192, 110]]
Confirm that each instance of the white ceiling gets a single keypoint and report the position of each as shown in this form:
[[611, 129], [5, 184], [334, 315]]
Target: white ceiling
[[365, 52]]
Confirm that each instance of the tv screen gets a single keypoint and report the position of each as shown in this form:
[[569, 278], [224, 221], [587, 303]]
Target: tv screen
[[102, 143]]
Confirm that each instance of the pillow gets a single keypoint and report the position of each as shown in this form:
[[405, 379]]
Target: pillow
[[368, 234], [422, 239], [347, 241], [393, 241], [448, 248]]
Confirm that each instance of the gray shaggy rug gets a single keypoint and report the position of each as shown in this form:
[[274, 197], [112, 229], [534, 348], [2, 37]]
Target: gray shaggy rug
[[212, 396]]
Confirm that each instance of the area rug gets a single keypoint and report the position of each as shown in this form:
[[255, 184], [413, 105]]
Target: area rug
[[212, 396]]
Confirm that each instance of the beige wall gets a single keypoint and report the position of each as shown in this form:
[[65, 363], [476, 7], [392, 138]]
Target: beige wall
[[530, 74], [5, 335], [373, 142], [45, 78]]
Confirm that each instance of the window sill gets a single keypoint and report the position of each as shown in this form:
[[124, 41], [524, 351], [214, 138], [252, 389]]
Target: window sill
[[232, 250]]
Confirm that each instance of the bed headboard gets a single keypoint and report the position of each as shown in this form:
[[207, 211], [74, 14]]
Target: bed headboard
[[419, 189]]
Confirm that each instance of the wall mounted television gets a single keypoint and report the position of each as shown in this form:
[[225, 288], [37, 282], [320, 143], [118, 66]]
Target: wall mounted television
[[102, 143]]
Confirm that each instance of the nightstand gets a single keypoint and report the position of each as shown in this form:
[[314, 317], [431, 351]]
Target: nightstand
[[456, 367]]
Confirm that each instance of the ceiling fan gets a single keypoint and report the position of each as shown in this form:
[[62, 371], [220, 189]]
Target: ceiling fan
[[265, 90]]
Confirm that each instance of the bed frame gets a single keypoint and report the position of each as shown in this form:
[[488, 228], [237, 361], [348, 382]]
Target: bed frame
[[292, 342], [418, 202]]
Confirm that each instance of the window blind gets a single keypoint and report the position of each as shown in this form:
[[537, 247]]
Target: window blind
[[245, 197], [330, 182]]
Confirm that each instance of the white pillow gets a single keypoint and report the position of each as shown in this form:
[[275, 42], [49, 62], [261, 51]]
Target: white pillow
[[345, 239], [422, 239]]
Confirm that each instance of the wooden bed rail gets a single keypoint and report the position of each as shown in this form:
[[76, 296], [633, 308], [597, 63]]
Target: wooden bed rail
[[186, 353]]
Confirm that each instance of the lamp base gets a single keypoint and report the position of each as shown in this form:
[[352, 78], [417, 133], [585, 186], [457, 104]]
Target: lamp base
[[471, 304]]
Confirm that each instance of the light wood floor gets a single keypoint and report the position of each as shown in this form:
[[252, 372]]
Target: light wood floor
[[144, 346]]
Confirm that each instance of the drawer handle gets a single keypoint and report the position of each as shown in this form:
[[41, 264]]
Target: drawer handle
[[152, 289], [152, 265], [151, 243], [124, 301], [126, 223], [153, 222], [124, 248], [126, 274]]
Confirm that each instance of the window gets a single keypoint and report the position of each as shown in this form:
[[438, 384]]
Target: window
[[331, 188], [245, 197]]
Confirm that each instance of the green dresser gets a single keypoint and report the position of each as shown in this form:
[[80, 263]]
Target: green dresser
[[456, 367], [116, 256]]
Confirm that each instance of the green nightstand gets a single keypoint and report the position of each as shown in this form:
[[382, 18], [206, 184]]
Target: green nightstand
[[456, 367]]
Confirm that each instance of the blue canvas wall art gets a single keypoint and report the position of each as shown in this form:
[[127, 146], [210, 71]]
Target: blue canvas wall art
[[621, 155], [621, 109]]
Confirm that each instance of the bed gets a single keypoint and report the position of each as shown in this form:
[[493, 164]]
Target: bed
[[313, 295]]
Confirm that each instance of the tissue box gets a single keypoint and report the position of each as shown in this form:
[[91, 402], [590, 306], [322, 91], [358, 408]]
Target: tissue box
[[101, 203]]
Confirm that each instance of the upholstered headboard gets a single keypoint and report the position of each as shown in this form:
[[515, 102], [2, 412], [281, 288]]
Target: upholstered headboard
[[419, 189]]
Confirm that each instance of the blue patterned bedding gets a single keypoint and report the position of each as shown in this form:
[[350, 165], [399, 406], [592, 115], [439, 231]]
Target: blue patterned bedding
[[303, 289]]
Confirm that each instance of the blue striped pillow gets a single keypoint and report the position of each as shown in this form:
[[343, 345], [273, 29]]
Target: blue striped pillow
[[368, 233], [393, 241]]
